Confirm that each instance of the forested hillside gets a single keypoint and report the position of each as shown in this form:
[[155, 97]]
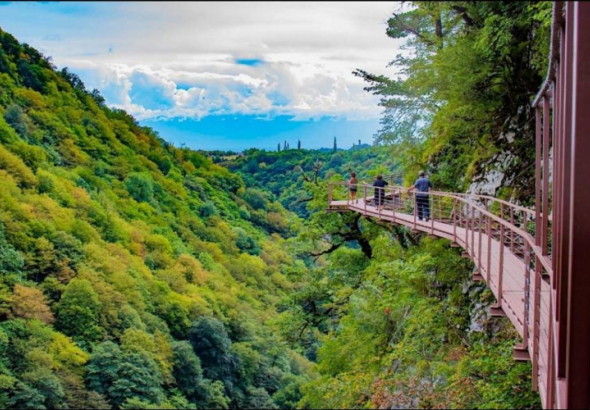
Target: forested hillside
[[135, 274], [132, 273], [285, 173]]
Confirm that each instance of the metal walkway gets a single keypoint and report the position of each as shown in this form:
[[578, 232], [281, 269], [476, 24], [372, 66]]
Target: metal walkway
[[499, 245]]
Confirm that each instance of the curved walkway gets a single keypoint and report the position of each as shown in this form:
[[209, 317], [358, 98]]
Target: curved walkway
[[495, 236]]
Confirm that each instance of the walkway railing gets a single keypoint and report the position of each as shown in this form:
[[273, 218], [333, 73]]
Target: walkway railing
[[498, 236]]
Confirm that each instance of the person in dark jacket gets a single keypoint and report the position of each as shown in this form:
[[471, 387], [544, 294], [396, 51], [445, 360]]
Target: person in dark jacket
[[379, 194], [422, 185]]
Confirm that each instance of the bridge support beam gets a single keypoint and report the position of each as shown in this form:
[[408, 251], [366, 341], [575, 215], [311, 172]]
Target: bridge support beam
[[578, 306], [497, 311], [521, 353]]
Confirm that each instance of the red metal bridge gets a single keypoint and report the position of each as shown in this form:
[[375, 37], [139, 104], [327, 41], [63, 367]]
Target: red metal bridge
[[535, 261]]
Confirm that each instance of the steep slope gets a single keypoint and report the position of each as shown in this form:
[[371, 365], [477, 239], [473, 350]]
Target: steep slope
[[132, 273]]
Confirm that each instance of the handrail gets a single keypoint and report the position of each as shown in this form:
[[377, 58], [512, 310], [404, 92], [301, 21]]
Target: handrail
[[487, 197], [528, 238], [556, 21], [388, 177]]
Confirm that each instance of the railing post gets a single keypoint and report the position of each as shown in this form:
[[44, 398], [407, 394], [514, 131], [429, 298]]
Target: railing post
[[527, 293], [467, 228], [454, 220], [551, 379], [512, 231], [393, 205], [381, 195], [536, 324], [545, 189], [501, 257], [489, 259], [431, 213], [347, 196], [415, 209], [577, 299], [365, 197], [472, 232], [479, 244], [538, 153], [329, 195]]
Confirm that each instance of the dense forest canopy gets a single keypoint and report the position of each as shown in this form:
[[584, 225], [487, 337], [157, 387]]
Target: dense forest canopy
[[136, 274], [285, 174]]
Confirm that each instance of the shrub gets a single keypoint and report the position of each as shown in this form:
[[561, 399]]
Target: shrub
[[140, 186]]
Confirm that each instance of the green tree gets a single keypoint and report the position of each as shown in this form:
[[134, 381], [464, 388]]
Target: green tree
[[259, 398], [189, 378], [187, 371], [216, 398], [212, 344], [77, 312], [140, 186], [120, 376], [138, 377], [47, 385], [11, 261], [15, 118], [26, 397], [102, 368]]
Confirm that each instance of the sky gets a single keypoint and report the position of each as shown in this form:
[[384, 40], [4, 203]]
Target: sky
[[223, 75]]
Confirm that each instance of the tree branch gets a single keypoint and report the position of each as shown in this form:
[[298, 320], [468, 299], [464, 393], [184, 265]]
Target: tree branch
[[462, 11], [304, 200], [411, 30], [329, 250]]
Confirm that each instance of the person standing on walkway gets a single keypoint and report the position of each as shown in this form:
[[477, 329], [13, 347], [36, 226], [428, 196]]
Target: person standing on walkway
[[353, 187], [422, 185], [379, 194]]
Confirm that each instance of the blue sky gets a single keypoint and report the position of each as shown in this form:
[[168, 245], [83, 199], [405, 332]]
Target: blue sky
[[223, 75], [245, 131]]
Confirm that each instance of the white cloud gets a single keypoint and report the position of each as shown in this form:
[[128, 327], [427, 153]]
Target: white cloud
[[174, 60]]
